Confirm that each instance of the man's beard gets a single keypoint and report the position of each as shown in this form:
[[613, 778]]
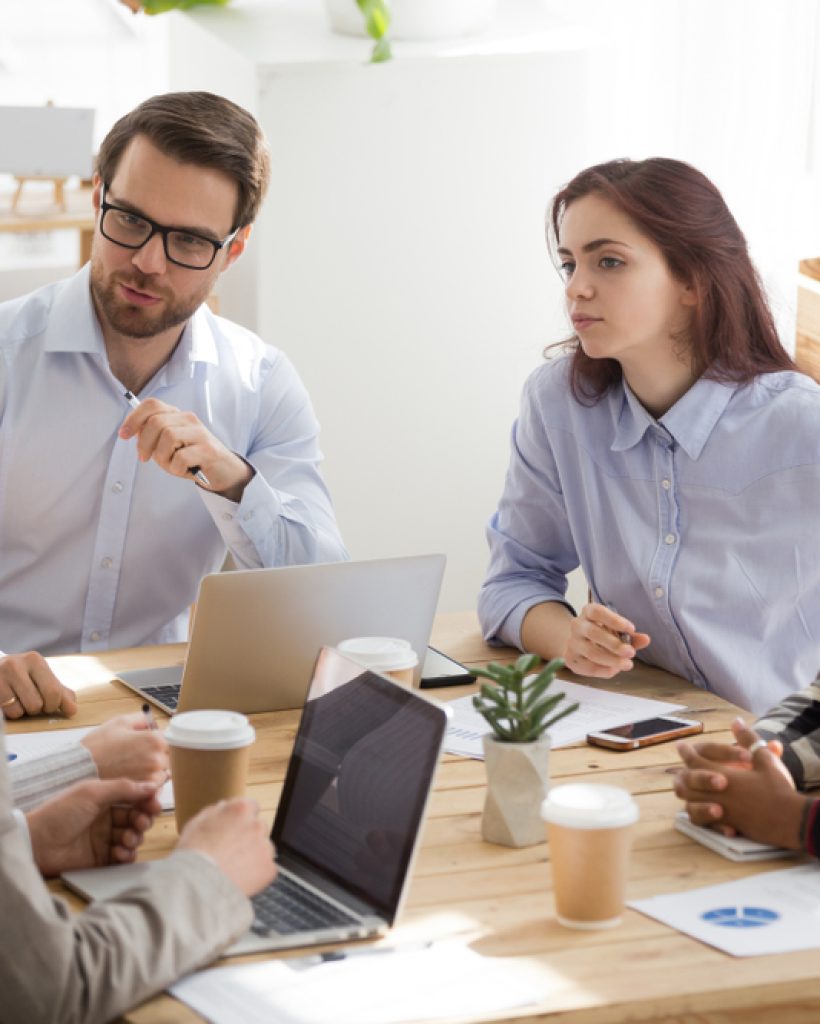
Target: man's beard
[[137, 321]]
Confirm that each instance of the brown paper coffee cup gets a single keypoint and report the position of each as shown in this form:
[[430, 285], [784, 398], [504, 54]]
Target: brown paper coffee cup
[[590, 832], [209, 753], [388, 655]]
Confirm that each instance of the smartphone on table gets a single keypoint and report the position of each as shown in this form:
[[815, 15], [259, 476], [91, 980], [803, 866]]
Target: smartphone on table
[[439, 670], [645, 733]]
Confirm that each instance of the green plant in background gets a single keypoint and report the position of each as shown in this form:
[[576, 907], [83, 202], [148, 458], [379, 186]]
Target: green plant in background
[[377, 21], [160, 6], [376, 15], [516, 709]]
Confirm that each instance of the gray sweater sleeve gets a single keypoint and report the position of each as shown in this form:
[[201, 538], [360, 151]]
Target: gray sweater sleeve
[[35, 781], [59, 968]]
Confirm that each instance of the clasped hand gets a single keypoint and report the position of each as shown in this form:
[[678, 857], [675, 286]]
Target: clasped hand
[[736, 791]]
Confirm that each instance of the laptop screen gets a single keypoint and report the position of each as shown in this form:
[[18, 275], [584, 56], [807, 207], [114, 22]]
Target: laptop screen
[[357, 782]]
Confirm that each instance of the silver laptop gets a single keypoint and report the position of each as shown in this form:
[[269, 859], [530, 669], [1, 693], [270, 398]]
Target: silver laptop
[[349, 818], [256, 631]]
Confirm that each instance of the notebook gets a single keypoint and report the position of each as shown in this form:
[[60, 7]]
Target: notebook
[[349, 818], [737, 848], [256, 632]]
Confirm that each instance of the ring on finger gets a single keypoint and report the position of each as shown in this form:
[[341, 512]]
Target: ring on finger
[[8, 703], [757, 745]]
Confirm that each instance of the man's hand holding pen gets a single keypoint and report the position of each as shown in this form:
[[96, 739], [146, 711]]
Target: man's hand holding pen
[[181, 445], [602, 643]]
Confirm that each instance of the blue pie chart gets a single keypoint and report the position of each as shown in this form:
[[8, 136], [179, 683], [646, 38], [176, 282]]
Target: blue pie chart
[[741, 917]]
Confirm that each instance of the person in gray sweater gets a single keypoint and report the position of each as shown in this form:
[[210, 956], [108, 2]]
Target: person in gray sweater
[[60, 968]]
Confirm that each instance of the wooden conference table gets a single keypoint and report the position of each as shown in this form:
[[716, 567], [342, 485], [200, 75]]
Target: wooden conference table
[[499, 900]]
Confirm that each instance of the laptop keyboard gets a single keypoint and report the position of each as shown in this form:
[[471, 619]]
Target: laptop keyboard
[[287, 907], [167, 695]]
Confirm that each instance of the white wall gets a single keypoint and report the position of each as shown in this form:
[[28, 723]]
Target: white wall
[[402, 265], [400, 257], [732, 87]]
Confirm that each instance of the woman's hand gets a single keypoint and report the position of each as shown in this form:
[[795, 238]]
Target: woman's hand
[[595, 648]]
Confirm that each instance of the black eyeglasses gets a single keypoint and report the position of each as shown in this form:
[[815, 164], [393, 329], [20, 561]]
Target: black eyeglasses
[[132, 231]]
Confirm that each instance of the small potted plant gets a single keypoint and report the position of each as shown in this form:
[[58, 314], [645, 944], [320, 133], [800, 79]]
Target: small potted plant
[[519, 708]]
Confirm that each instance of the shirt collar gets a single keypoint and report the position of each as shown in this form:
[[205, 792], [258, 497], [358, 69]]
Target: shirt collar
[[689, 422], [74, 327]]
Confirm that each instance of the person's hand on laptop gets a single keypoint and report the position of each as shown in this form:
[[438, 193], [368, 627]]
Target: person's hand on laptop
[[127, 748], [91, 824], [29, 687], [233, 835]]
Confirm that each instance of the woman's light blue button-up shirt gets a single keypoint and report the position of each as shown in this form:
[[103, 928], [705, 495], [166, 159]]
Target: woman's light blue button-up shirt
[[702, 527]]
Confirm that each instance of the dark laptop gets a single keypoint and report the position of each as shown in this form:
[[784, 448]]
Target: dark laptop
[[349, 818]]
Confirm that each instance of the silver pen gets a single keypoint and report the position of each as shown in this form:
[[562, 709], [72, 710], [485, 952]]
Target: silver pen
[[195, 471], [336, 955]]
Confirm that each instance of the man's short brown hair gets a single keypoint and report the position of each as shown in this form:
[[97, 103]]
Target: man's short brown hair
[[198, 128]]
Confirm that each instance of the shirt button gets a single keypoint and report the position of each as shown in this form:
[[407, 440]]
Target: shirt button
[[94, 637], [665, 484], [658, 591], [227, 516], [106, 563], [669, 538], [248, 516], [117, 487]]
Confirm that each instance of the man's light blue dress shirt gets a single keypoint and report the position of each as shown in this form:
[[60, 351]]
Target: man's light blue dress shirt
[[98, 550], [702, 527]]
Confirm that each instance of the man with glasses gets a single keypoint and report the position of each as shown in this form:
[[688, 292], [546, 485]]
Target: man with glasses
[[142, 437]]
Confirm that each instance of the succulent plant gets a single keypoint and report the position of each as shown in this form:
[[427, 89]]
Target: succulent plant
[[518, 709]]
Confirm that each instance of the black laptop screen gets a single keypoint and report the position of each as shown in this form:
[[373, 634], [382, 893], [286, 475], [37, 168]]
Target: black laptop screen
[[358, 779]]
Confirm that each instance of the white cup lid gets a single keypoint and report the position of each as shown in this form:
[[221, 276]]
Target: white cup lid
[[210, 730], [585, 805], [381, 653]]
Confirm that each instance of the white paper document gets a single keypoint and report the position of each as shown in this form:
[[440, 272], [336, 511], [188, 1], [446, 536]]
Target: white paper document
[[776, 912], [26, 746], [600, 709], [364, 987]]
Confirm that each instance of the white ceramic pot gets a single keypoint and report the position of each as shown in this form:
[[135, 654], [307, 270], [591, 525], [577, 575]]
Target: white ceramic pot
[[517, 782], [417, 19]]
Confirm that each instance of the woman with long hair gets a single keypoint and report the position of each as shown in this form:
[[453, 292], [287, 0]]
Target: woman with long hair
[[673, 452]]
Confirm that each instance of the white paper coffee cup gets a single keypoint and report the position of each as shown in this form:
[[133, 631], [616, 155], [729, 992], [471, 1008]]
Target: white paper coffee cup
[[389, 655], [589, 831], [209, 753]]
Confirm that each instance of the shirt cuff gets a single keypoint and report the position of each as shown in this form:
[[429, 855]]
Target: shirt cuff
[[233, 519], [22, 824], [37, 780], [810, 828]]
